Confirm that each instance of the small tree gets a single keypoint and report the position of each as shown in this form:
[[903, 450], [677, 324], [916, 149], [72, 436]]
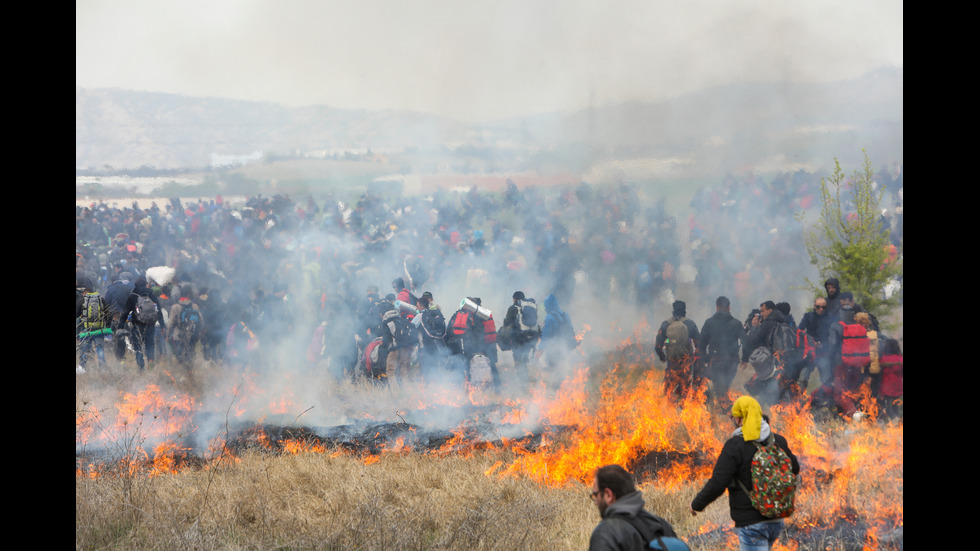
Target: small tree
[[849, 241]]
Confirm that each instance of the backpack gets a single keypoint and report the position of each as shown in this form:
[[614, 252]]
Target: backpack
[[527, 315], [762, 362], [434, 324], [146, 310], [461, 323], [678, 344], [875, 366], [784, 342], [489, 331], [892, 375], [403, 331], [663, 543], [190, 320], [504, 339], [773, 481], [372, 355], [855, 350], [92, 315], [480, 372]]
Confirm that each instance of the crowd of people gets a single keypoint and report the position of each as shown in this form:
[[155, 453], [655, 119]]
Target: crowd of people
[[842, 343], [271, 281]]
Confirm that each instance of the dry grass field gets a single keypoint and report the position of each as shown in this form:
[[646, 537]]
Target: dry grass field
[[468, 495]]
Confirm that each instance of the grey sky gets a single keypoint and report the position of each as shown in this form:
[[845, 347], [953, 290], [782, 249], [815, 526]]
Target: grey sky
[[474, 60]]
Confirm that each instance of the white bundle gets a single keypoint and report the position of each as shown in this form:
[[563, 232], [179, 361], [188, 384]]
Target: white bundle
[[161, 275]]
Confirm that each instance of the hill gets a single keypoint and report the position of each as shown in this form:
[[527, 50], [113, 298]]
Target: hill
[[760, 127]]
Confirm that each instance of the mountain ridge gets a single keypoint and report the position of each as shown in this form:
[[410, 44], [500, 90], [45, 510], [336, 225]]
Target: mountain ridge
[[714, 130]]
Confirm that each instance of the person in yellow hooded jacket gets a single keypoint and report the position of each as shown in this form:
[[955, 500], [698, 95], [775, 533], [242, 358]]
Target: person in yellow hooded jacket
[[755, 531]]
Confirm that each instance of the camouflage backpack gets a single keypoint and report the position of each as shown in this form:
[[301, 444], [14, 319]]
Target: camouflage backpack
[[773, 481], [678, 343]]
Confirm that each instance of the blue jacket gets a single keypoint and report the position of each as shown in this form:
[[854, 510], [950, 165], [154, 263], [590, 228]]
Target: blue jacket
[[553, 319]]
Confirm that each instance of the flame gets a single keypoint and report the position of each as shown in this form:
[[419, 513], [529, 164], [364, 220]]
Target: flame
[[602, 414]]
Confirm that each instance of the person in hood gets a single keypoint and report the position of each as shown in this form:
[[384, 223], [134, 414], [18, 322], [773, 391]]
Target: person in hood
[[832, 286], [755, 531], [557, 339], [620, 505]]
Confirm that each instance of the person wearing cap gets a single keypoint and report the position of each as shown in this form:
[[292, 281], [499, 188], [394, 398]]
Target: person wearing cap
[[755, 531]]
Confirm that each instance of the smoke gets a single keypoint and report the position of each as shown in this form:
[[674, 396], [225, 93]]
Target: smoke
[[614, 256]]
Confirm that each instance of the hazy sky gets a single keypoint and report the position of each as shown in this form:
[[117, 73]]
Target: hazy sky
[[474, 60]]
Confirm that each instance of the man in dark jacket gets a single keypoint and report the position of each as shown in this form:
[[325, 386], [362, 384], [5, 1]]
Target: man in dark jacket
[[143, 327], [734, 465], [620, 504], [681, 373], [721, 338], [816, 323], [524, 336], [432, 351], [765, 383], [832, 286], [464, 338]]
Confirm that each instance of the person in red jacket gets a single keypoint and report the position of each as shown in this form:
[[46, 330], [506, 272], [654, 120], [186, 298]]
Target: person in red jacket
[[892, 371]]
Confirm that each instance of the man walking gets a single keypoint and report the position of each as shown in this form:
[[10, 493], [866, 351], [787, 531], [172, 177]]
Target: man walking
[[755, 530], [816, 323], [620, 505], [676, 344], [521, 325], [721, 338]]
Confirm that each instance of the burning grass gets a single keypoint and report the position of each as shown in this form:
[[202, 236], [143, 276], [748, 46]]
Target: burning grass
[[162, 464]]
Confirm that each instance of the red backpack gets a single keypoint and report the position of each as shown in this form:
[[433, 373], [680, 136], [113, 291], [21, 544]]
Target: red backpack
[[489, 331], [855, 349], [461, 323]]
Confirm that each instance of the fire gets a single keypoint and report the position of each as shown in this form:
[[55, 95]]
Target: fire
[[296, 447], [625, 424], [614, 413]]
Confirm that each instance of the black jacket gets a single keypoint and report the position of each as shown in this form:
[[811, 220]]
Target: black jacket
[[661, 341], [131, 305], [614, 533], [817, 327], [735, 460], [759, 335], [722, 335]]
